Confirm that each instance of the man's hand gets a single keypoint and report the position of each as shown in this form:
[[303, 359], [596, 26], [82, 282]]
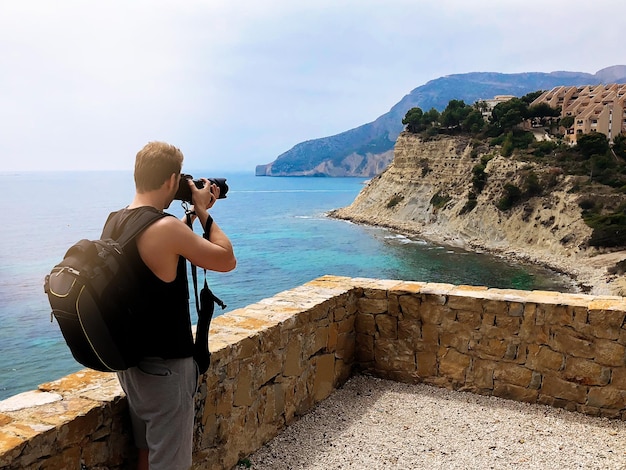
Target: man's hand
[[204, 197]]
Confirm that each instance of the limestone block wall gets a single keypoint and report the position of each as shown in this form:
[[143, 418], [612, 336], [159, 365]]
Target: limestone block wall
[[562, 350], [274, 360], [79, 421], [271, 362]]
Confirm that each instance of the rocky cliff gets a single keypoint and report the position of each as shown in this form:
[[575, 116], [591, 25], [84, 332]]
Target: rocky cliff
[[367, 149], [354, 164], [426, 189]]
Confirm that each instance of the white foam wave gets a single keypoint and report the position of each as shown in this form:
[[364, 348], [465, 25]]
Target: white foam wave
[[292, 191], [405, 240]]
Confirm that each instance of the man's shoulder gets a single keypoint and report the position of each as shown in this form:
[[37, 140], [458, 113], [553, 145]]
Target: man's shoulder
[[169, 229], [129, 220], [168, 222]]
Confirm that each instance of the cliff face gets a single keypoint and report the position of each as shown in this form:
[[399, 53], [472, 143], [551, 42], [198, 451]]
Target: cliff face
[[425, 191], [354, 164]]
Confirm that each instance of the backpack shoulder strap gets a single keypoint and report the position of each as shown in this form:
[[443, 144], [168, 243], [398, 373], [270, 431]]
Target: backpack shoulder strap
[[123, 226]]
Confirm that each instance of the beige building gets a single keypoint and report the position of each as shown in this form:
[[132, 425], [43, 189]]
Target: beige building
[[491, 103], [595, 108]]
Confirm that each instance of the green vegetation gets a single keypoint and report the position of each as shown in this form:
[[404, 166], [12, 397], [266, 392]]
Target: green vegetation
[[532, 187], [417, 121], [544, 148], [619, 146], [598, 162], [512, 195], [479, 178], [245, 463], [458, 117], [567, 121], [592, 144], [472, 200], [394, 201], [439, 200], [609, 230]]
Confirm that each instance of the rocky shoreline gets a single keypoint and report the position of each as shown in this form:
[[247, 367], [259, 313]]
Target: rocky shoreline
[[426, 191], [588, 274]]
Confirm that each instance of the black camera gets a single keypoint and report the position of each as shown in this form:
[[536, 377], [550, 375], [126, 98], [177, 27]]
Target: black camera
[[184, 191]]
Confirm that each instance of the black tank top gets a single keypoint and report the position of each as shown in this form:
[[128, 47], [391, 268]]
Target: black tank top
[[161, 308]]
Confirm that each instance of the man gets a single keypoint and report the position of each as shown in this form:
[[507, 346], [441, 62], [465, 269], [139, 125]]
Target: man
[[160, 389]]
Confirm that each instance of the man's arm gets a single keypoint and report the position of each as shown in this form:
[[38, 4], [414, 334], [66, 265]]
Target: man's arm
[[215, 254], [203, 199], [164, 241]]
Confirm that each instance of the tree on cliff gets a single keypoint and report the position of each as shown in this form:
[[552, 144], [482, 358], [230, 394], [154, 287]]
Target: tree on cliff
[[543, 114], [460, 117], [619, 146], [431, 118], [413, 120], [455, 113], [543, 110], [508, 115], [532, 96], [567, 121], [417, 121], [593, 143], [473, 122]]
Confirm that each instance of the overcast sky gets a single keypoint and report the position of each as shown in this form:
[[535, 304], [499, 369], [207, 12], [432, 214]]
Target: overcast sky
[[85, 84]]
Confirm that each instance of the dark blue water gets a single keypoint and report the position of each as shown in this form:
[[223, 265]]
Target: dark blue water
[[282, 239]]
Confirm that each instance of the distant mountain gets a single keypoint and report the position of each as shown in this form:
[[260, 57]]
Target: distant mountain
[[366, 150]]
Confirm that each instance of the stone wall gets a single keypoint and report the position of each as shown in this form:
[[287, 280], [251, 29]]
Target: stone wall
[[274, 360], [562, 350]]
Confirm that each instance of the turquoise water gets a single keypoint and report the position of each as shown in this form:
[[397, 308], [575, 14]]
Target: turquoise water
[[277, 225]]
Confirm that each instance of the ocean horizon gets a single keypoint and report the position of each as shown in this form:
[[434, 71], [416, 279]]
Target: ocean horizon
[[279, 229]]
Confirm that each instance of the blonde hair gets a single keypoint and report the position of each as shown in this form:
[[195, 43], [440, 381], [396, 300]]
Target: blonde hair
[[154, 164]]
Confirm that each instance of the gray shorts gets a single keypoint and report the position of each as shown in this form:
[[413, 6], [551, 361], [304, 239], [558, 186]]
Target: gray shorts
[[160, 399]]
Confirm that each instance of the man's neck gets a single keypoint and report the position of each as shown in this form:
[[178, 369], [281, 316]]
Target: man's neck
[[151, 198]]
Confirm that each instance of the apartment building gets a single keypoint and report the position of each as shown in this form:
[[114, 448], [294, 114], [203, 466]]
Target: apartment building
[[491, 103], [595, 108]]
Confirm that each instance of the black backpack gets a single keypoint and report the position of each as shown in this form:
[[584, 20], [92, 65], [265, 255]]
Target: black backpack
[[89, 292]]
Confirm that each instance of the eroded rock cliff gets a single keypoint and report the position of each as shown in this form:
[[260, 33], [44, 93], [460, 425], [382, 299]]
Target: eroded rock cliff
[[428, 190], [354, 164]]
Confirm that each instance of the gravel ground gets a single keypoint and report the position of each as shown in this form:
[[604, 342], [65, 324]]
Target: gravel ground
[[378, 424]]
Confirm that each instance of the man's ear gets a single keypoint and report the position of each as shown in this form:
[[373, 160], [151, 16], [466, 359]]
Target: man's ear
[[173, 181]]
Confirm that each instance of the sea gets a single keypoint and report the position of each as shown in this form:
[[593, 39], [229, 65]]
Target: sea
[[278, 226]]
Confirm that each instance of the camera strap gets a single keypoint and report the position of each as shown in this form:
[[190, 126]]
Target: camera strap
[[205, 306]]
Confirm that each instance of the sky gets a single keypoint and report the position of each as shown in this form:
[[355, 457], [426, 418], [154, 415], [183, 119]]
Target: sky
[[85, 84]]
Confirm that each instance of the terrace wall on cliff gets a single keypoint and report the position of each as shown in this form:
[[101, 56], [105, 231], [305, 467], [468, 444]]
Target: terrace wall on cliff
[[273, 360]]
